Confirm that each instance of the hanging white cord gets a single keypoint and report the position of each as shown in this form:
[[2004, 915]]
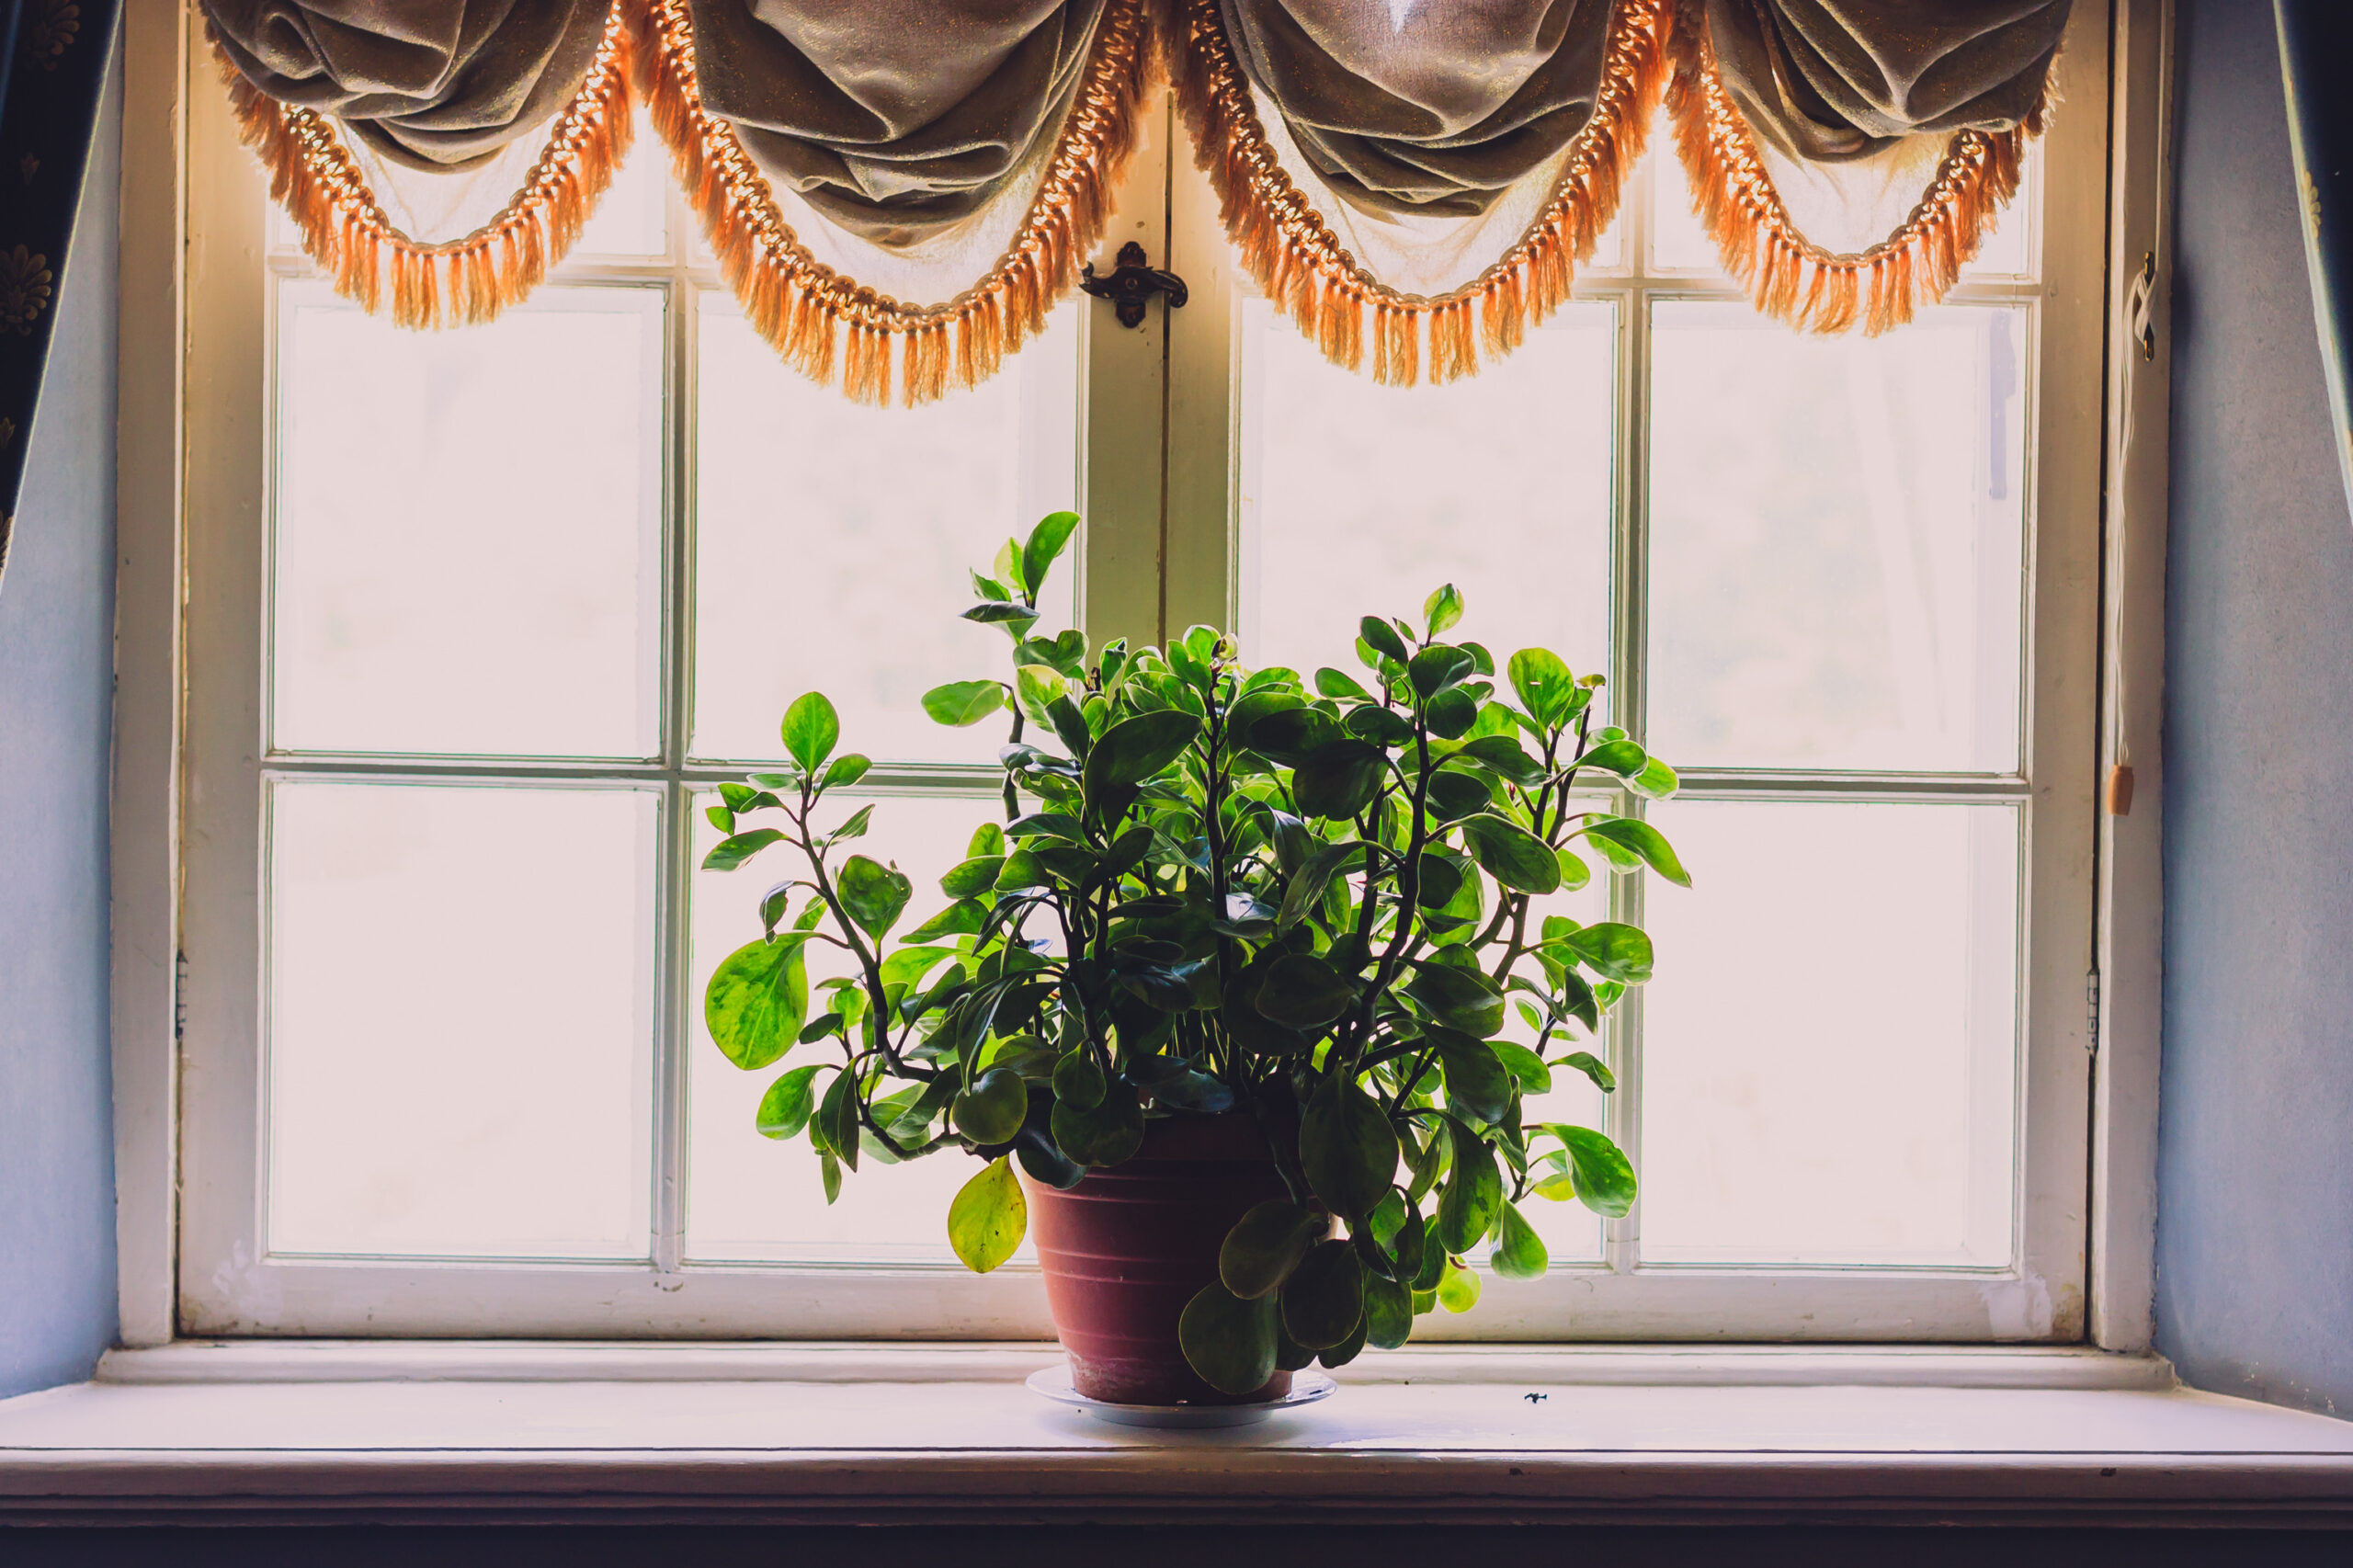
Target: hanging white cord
[[2139, 311]]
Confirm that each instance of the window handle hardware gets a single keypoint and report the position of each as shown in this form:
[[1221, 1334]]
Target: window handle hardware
[[1131, 284]]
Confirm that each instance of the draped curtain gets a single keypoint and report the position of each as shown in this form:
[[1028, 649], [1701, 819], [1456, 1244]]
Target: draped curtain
[[54, 60], [898, 191]]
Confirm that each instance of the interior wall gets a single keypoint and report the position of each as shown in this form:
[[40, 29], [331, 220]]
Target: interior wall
[[2254, 1233], [57, 1283]]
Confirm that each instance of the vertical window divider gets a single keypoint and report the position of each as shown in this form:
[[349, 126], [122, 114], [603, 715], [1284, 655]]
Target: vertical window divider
[[1629, 633], [674, 1027]]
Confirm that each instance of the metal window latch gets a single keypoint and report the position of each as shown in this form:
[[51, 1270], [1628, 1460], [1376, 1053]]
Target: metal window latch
[[1131, 284]]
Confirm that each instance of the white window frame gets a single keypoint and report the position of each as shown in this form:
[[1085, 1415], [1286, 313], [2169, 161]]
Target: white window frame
[[1160, 544]]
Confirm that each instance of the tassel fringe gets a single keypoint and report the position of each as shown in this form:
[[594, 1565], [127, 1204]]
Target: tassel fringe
[[804, 307], [1299, 264], [464, 282], [1789, 277]]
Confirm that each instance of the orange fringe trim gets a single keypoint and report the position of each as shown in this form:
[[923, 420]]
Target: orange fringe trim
[[463, 282], [827, 326], [1299, 264], [1789, 277]]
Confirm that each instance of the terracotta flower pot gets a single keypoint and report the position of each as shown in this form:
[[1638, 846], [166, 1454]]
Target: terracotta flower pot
[[1125, 1249]]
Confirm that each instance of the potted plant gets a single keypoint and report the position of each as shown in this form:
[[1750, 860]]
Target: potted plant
[[1228, 984]]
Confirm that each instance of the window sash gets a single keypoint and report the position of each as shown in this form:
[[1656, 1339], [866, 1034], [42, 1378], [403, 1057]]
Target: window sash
[[1157, 488]]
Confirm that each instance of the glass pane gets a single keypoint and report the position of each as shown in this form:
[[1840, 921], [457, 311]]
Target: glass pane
[[1841, 1091], [831, 540], [1361, 499], [468, 550], [1838, 541], [750, 1198], [629, 222], [461, 1020]]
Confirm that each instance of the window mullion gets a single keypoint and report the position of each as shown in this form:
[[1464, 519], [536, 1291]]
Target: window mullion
[[674, 988]]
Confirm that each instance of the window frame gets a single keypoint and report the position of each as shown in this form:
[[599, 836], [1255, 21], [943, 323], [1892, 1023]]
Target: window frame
[[1163, 503]]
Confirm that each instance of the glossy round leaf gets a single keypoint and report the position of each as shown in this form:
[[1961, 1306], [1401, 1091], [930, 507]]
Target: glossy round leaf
[[1511, 854], [1348, 1147], [1134, 749], [1106, 1133], [1078, 1080], [1230, 1342], [987, 1217], [1304, 992], [964, 701], [874, 894], [991, 1111], [809, 729], [1387, 1312], [1604, 1178], [784, 1109], [1519, 1251], [1266, 1245], [757, 999], [1323, 1301], [1474, 1192]]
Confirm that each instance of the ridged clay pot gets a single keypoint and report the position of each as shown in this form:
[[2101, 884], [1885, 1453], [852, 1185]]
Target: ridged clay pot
[[1125, 1249]]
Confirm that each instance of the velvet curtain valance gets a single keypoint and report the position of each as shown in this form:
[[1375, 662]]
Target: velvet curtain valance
[[898, 191]]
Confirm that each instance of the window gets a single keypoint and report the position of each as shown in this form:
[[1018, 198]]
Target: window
[[471, 649]]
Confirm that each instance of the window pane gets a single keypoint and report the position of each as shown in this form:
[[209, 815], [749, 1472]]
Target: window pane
[[1359, 499], [461, 1020], [832, 540], [468, 550], [1829, 1050], [1838, 541], [750, 1198]]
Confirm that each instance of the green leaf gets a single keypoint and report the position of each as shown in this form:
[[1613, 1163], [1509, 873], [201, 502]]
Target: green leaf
[[811, 727], [1511, 854], [1134, 749], [1622, 757], [1078, 1079], [991, 1111], [1106, 1135], [855, 827], [1387, 1312], [962, 918], [1002, 612], [988, 839], [1519, 1251], [1323, 1301], [987, 1217], [1586, 1062], [1340, 686], [1303, 992], [1474, 1191], [1459, 997], [1442, 608], [1045, 546], [1574, 873], [1527, 1068], [834, 1127], [1230, 1342], [1437, 668], [730, 853], [1346, 1147], [969, 879], [1383, 638], [784, 1109], [1543, 685], [1458, 1288], [1612, 951], [1266, 1245], [1657, 780], [1476, 1083], [848, 768], [1286, 735], [829, 1173], [1452, 712], [1604, 1178], [757, 999], [1307, 883], [1632, 833], [873, 893], [1345, 1351], [1503, 754], [964, 702], [1339, 778]]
